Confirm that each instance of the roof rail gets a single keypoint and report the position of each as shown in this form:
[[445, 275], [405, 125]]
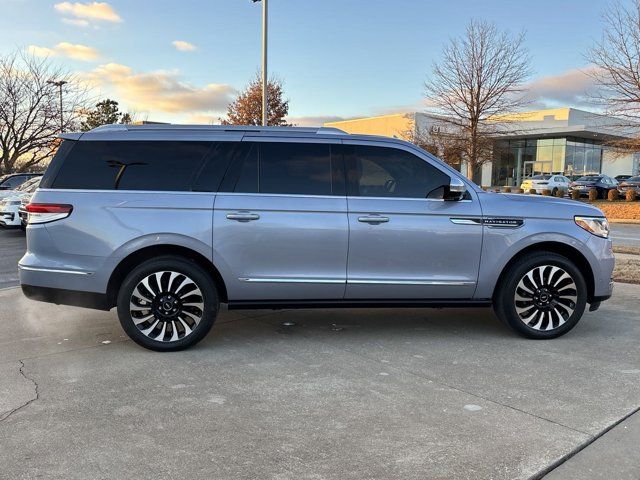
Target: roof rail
[[219, 128]]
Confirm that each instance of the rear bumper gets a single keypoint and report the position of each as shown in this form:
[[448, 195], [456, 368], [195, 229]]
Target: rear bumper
[[59, 296]]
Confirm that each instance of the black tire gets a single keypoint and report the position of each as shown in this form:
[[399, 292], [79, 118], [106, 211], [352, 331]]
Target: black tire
[[554, 287], [171, 280], [554, 192]]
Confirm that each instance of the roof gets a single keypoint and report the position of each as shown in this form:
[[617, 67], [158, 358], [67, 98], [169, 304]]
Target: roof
[[194, 132]]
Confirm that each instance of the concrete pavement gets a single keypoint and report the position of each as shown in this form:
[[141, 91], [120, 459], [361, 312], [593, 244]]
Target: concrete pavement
[[625, 234], [344, 394], [12, 247]]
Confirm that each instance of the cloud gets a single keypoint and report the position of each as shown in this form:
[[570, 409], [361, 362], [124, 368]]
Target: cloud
[[94, 11], [78, 22], [570, 88], [41, 51], [159, 91], [66, 49], [184, 46]]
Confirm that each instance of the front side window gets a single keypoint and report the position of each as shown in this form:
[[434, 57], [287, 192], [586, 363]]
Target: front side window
[[390, 172], [132, 165]]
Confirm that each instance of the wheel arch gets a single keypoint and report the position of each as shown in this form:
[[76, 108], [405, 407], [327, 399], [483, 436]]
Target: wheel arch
[[147, 253], [559, 248]]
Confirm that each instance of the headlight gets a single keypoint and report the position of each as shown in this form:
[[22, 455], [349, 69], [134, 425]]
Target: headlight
[[599, 226]]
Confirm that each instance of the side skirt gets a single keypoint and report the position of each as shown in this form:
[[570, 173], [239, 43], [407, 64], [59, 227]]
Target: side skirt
[[364, 303]]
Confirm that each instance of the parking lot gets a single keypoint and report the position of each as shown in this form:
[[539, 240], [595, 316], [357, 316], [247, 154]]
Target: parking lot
[[341, 394]]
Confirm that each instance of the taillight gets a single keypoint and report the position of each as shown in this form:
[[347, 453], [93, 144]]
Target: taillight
[[47, 212]]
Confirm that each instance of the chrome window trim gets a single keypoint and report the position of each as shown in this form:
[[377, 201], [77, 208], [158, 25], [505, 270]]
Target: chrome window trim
[[52, 270]]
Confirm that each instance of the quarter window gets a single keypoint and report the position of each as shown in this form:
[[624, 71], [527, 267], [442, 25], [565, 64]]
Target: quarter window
[[390, 172], [132, 165]]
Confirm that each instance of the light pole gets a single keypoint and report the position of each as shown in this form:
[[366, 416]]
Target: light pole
[[265, 80], [59, 84]]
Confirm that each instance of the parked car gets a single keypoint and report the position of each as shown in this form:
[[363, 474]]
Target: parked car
[[632, 183], [296, 218], [546, 182], [9, 206], [602, 183], [14, 180], [621, 178], [22, 211]]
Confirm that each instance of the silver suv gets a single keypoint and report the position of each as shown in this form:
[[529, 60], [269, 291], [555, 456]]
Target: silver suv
[[166, 222]]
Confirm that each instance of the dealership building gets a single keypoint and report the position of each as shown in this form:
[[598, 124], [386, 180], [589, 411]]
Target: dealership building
[[565, 141]]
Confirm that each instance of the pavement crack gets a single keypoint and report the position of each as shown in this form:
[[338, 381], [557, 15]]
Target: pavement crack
[[36, 395]]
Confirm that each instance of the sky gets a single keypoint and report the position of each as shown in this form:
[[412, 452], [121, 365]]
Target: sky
[[184, 61]]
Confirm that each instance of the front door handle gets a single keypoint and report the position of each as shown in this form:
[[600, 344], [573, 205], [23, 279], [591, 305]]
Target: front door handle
[[243, 216], [375, 219]]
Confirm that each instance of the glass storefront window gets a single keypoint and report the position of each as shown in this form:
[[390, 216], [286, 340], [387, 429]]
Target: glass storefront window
[[515, 159]]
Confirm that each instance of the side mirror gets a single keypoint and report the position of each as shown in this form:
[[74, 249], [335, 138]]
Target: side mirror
[[455, 190]]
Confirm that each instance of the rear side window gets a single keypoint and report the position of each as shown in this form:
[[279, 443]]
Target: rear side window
[[132, 165], [286, 168], [13, 182], [295, 168], [390, 172]]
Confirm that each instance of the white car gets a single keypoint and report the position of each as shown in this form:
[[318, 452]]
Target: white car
[[546, 182], [10, 205]]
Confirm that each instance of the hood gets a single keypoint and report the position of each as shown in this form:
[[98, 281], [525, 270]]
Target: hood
[[535, 206], [15, 197]]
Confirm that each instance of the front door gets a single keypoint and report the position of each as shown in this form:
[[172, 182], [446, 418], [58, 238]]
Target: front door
[[280, 227], [405, 241]]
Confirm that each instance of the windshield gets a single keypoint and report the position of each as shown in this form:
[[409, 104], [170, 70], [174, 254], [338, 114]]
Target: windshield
[[589, 178], [541, 177]]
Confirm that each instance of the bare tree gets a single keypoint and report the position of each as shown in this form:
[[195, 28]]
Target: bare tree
[[437, 140], [246, 109], [616, 58], [30, 110], [479, 79]]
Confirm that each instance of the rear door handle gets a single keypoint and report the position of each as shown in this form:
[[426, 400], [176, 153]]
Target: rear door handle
[[373, 219], [242, 216]]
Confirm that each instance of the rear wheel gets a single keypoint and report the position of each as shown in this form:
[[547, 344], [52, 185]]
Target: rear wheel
[[543, 295], [168, 303]]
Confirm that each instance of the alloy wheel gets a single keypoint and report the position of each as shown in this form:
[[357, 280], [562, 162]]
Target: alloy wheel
[[166, 306], [545, 297]]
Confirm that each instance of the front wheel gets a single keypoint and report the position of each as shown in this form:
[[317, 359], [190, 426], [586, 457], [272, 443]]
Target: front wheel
[[167, 304], [542, 296]]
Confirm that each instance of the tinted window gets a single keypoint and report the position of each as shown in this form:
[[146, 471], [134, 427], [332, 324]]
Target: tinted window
[[589, 178], [220, 157], [389, 172], [13, 182], [634, 179], [134, 165], [541, 177], [282, 168], [295, 168]]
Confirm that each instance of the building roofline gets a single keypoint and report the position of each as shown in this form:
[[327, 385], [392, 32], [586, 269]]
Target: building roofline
[[372, 118]]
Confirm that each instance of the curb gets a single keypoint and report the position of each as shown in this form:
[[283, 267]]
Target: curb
[[629, 222]]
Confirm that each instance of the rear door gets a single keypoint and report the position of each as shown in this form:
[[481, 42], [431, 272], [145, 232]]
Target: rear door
[[405, 241], [280, 222]]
